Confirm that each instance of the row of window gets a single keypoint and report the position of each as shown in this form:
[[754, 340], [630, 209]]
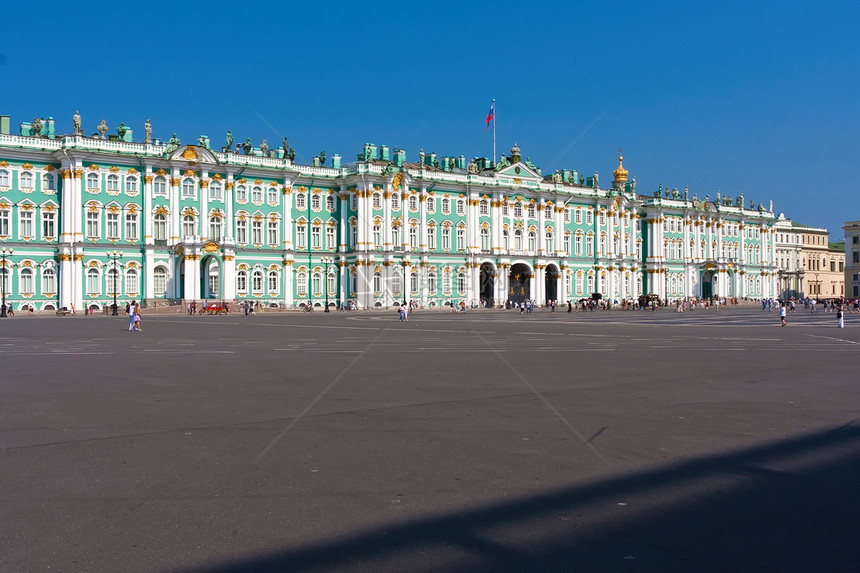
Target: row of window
[[26, 224], [27, 179], [27, 281]]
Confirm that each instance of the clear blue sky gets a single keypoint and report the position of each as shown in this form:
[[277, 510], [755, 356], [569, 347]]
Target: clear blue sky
[[759, 98]]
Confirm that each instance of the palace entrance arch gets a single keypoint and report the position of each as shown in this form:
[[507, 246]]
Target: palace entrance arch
[[487, 284], [211, 272], [551, 282], [519, 281]]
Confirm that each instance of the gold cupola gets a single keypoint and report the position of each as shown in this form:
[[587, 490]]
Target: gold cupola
[[620, 173]]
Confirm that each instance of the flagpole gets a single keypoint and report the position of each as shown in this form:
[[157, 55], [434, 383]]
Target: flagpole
[[494, 131]]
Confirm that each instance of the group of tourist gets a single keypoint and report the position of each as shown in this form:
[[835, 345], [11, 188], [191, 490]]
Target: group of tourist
[[838, 306]]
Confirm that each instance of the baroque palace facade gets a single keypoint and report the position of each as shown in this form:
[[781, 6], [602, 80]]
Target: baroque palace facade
[[82, 218]]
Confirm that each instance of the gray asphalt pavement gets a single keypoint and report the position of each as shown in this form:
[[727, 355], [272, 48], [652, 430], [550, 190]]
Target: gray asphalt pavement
[[483, 441]]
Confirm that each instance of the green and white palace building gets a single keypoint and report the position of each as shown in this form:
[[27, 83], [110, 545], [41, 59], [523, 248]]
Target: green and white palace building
[[192, 223]]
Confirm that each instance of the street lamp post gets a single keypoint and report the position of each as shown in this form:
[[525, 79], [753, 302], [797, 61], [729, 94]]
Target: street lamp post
[[818, 285], [114, 256], [326, 261], [4, 252]]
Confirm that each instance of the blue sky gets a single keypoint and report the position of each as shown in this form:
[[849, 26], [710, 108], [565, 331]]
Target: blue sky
[[757, 98]]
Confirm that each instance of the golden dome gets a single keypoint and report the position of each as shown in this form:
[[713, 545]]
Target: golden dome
[[620, 173]]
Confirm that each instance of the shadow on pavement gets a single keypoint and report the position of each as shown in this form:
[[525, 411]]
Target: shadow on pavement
[[787, 506]]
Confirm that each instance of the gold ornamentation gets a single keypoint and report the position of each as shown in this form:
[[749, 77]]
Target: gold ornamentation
[[174, 182], [395, 183], [228, 185], [49, 208], [242, 181], [4, 163], [286, 190], [161, 172], [189, 153], [258, 182], [66, 174], [26, 207], [217, 177], [210, 247], [204, 183], [192, 257], [147, 179], [93, 167], [27, 166], [189, 173], [79, 173], [161, 211], [64, 258], [114, 169], [229, 258]]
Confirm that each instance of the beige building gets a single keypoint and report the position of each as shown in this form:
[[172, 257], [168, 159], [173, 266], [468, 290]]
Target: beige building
[[823, 263], [852, 258]]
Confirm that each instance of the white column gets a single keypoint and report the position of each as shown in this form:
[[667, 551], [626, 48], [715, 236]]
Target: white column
[[146, 216], [228, 276], [148, 272], [175, 215]]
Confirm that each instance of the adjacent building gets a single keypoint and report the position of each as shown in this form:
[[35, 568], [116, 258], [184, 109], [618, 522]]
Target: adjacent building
[[84, 219]]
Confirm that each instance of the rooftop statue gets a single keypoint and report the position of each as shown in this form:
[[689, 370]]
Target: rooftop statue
[[675, 193], [556, 177], [596, 184], [36, 127], [292, 154], [503, 162], [686, 194], [121, 131], [771, 206], [322, 157], [173, 144], [102, 129], [285, 145], [421, 156], [695, 198], [76, 122], [247, 146], [264, 147], [719, 199], [147, 130], [740, 202], [752, 204], [529, 163], [229, 140], [633, 183], [472, 167]]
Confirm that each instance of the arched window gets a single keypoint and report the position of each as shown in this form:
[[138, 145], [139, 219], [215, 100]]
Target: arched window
[[446, 205], [589, 245], [189, 225], [257, 231], [331, 283], [377, 237], [257, 194], [518, 210], [131, 282], [316, 202], [26, 286], [532, 241], [518, 240], [579, 283], [272, 195], [484, 207], [272, 232], [413, 283], [413, 237], [159, 185], [48, 182], [92, 180], [377, 201], [113, 284], [330, 204], [506, 240], [131, 226], [431, 283], [461, 207], [395, 283], [395, 202], [550, 244], [461, 239], [131, 185], [377, 283], [26, 180], [446, 281], [302, 284], [159, 281], [485, 239], [532, 210], [215, 227], [242, 281], [4, 178], [577, 248], [413, 203], [431, 205], [316, 283], [273, 282], [241, 193], [257, 281], [461, 283], [242, 231], [188, 187], [49, 281], [113, 183]]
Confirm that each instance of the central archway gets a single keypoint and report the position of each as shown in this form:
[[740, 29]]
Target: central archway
[[551, 282], [488, 283], [520, 284], [210, 277]]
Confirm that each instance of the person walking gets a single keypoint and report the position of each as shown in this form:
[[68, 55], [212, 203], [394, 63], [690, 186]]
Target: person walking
[[130, 310], [136, 319], [840, 320], [782, 314]]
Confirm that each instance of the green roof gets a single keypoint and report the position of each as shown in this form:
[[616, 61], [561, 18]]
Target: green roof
[[840, 246]]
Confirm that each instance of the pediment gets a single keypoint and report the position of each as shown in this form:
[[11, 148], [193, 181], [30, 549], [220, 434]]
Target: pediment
[[518, 170], [193, 154]]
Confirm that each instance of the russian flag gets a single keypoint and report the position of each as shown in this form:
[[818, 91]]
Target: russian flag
[[491, 114]]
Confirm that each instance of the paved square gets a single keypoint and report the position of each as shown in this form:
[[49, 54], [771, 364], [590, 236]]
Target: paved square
[[485, 441]]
